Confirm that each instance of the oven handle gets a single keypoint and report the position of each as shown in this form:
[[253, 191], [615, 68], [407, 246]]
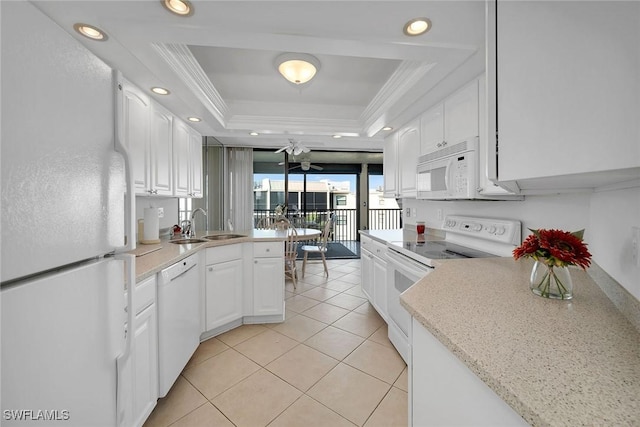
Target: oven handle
[[412, 269]]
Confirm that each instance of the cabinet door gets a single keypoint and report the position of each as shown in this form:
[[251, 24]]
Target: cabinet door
[[161, 147], [461, 114], [268, 286], [390, 166], [195, 164], [432, 129], [380, 286], [180, 159], [408, 153], [570, 105], [366, 277], [223, 293], [145, 362], [135, 124]]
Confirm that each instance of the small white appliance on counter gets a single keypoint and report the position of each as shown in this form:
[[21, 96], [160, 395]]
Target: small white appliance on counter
[[410, 261], [64, 213]]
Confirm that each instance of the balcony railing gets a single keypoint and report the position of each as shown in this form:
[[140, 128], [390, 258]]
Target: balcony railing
[[346, 220]]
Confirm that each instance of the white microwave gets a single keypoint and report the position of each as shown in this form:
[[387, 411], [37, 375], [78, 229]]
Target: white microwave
[[449, 173]]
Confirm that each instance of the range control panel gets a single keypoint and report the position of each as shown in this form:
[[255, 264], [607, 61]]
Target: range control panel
[[496, 230]]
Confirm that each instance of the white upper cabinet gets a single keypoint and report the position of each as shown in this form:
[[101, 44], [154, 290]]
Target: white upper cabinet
[[135, 132], [390, 166], [195, 164], [187, 160], [432, 129], [161, 151], [451, 121], [408, 153], [568, 96]]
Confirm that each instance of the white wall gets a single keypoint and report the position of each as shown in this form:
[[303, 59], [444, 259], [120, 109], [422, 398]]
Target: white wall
[[607, 218], [170, 206]]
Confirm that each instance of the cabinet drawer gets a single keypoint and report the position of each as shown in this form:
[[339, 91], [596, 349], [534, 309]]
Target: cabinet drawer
[[378, 249], [268, 249], [366, 242], [145, 294], [223, 253]]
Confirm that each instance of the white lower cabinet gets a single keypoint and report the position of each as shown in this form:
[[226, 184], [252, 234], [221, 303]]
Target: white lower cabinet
[[268, 279], [141, 368], [373, 275], [444, 391], [223, 285]]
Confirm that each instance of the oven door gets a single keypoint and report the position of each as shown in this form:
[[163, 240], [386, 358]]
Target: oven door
[[402, 272]]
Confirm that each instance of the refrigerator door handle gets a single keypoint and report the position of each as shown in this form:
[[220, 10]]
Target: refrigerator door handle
[[129, 203], [121, 360]]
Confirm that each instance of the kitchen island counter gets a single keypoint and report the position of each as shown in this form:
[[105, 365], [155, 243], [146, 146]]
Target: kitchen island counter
[[556, 363]]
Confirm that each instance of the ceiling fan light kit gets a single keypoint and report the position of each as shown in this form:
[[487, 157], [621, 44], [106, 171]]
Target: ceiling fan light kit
[[298, 68]]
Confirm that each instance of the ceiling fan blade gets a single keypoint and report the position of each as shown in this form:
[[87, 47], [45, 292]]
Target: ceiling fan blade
[[318, 168], [298, 150], [280, 150], [281, 164], [294, 167], [305, 149]]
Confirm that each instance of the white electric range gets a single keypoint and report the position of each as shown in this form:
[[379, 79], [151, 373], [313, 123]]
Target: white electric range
[[411, 260]]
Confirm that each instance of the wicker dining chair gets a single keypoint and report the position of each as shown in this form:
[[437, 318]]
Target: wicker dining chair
[[320, 248], [290, 255]]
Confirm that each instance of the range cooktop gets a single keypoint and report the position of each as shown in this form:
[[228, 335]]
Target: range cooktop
[[494, 237]]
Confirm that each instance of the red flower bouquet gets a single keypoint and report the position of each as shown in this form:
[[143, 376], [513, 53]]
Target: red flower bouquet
[[554, 248]]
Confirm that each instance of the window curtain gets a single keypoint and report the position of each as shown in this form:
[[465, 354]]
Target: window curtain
[[240, 167]]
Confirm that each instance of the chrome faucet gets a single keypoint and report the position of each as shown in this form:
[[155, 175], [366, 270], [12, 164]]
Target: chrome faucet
[[185, 225], [192, 227]]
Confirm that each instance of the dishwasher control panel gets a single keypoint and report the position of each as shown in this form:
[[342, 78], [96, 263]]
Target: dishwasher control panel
[[180, 267]]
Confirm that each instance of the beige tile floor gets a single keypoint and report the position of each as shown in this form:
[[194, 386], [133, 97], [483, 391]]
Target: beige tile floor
[[328, 364]]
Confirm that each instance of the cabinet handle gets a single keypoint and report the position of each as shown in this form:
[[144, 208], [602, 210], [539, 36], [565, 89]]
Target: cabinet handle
[[444, 143], [210, 268], [268, 249], [439, 144], [255, 261]]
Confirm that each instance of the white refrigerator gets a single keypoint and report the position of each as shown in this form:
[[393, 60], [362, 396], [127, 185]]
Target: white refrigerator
[[65, 212]]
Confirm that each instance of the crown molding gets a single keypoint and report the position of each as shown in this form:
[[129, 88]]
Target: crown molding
[[294, 124], [401, 81], [187, 68]]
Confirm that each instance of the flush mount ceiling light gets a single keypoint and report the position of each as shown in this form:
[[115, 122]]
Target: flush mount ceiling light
[[90, 32], [298, 68], [337, 136], [179, 7], [387, 128], [193, 119], [254, 133], [160, 91], [417, 26]]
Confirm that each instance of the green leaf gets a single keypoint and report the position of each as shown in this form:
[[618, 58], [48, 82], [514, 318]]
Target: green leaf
[[579, 234], [536, 232]]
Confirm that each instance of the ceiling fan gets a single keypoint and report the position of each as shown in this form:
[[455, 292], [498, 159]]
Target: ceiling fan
[[304, 163], [294, 148]]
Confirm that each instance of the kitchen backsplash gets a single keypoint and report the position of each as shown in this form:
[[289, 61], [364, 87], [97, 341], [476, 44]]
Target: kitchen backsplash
[[170, 206], [606, 216]]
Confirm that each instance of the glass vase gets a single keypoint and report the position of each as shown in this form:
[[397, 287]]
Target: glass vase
[[549, 281]]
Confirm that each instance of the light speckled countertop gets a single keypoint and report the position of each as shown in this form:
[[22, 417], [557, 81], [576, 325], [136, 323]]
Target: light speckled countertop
[[557, 363], [170, 253]]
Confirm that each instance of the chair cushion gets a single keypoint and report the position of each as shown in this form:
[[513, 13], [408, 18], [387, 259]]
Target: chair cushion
[[313, 249]]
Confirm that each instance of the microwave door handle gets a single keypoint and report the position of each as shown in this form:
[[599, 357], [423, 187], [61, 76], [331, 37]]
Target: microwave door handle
[[448, 177]]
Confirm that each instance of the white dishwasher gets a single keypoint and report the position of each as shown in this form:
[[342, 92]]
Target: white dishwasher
[[178, 320]]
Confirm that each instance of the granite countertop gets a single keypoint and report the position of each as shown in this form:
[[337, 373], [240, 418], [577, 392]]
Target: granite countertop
[[557, 363], [162, 255]]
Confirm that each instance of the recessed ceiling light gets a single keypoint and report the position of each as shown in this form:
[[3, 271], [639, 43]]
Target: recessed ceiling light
[[160, 91], [417, 26], [254, 133], [337, 136], [91, 32], [387, 128], [179, 7], [194, 119]]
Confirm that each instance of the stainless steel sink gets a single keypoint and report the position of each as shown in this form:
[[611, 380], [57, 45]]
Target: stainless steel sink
[[187, 241], [224, 236]]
